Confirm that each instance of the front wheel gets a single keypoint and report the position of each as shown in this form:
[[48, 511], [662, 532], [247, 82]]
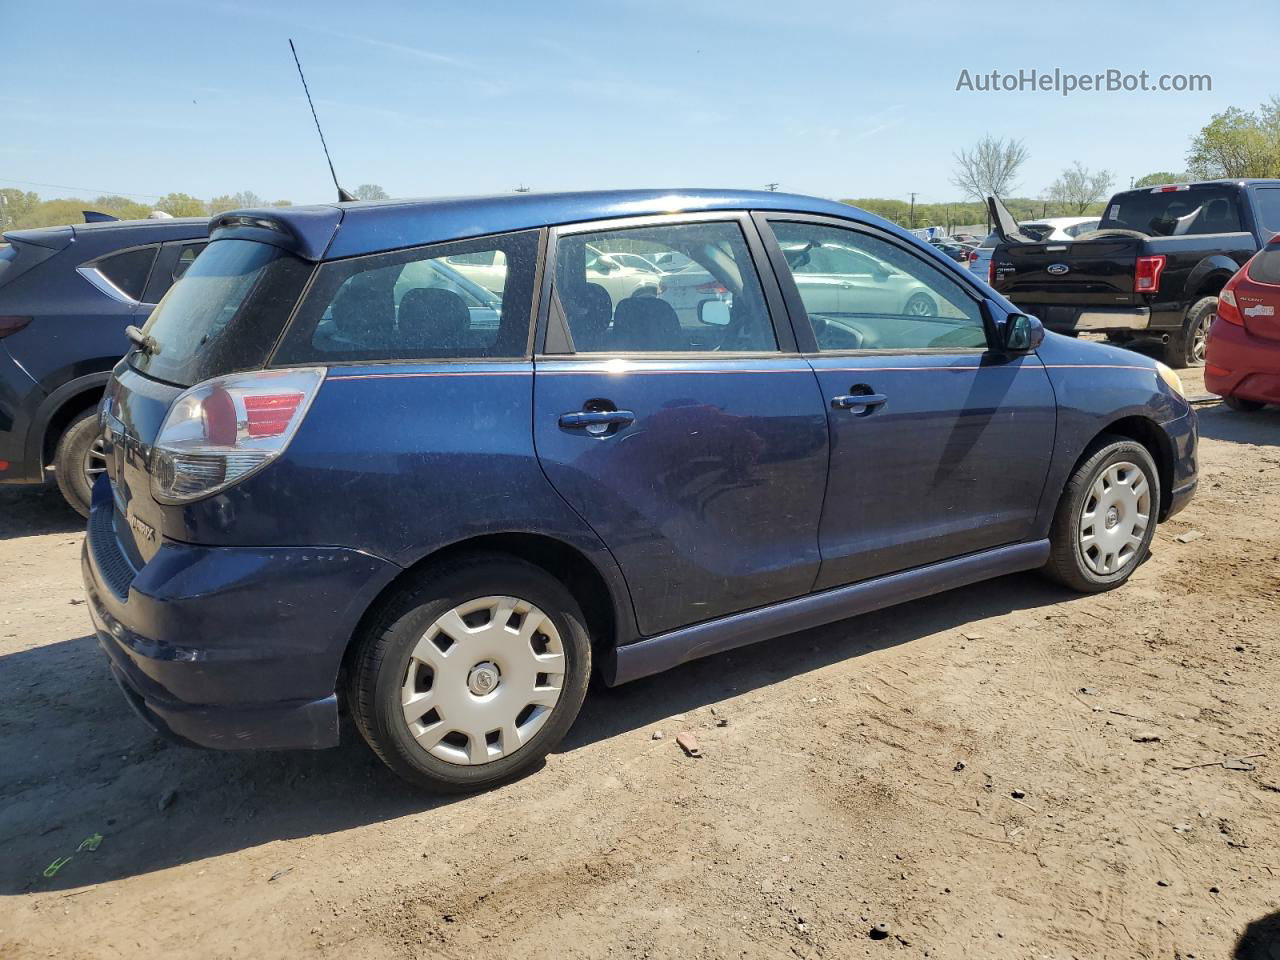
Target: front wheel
[[920, 305], [79, 460], [1106, 517], [471, 674]]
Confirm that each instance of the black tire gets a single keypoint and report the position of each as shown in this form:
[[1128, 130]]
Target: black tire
[[71, 461], [380, 666], [1186, 347], [1241, 405], [1067, 561]]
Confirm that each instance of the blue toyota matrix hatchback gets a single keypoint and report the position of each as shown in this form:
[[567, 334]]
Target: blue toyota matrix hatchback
[[341, 476]]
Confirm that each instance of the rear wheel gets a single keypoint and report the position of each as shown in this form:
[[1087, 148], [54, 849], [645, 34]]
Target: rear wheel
[[469, 675], [1186, 348], [1106, 517], [1241, 405], [78, 461], [920, 305]]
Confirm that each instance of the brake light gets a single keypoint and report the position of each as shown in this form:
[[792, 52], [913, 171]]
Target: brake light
[[10, 325], [713, 288], [991, 271], [1171, 189], [1146, 274], [1228, 310], [224, 430], [973, 256]]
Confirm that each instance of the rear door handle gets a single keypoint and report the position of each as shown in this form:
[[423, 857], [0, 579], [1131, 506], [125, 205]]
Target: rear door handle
[[597, 418], [855, 400]]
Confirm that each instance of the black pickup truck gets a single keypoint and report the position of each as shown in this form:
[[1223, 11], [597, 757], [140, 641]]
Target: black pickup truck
[[1151, 271]]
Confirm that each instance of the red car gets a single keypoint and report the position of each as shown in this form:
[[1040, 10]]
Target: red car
[[1242, 362]]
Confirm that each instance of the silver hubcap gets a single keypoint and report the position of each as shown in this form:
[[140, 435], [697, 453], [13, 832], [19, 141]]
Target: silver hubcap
[[482, 680], [1115, 518], [95, 461], [1200, 339], [919, 307]]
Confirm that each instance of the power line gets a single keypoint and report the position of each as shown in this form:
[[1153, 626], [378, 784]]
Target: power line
[[64, 186]]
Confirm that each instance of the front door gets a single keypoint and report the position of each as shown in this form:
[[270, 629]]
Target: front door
[[695, 448], [939, 446]]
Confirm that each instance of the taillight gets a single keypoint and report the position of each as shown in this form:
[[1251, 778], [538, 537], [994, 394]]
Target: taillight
[[713, 288], [991, 271], [221, 431], [10, 325], [1146, 274], [1228, 310], [973, 256]]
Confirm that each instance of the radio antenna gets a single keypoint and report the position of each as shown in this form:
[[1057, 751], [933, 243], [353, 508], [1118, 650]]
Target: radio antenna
[[342, 194]]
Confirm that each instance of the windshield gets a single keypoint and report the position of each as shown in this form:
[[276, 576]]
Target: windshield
[[224, 314], [1174, 213]]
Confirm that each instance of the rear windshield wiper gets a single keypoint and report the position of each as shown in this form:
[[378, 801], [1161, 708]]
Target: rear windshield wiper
[[141, 341]]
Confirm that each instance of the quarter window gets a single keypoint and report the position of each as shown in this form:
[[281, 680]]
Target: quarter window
[[186, 258], [418, 304], [662, 289], [128, 270], [864, 293]]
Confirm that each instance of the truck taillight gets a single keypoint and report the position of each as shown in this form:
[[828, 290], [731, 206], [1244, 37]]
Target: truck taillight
[[221, 431], [991, 271], [1146, 274]]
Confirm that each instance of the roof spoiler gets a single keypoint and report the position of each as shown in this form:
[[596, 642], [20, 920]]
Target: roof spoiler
[[93, 216], [1006, 227]]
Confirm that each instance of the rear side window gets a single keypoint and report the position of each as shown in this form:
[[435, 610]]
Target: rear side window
[[128, 270], [1269, 208], [186, 258], [1175, 213], [225, 315], [423, 304]]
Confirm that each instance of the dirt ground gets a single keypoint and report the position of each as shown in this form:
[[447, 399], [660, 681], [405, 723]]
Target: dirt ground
[[1007, 770]]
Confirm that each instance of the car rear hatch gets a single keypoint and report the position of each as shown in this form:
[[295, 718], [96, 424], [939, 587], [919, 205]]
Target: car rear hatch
[[224, 316], [1098, 272]]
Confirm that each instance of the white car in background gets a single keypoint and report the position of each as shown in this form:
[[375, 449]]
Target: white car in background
[[1046, 229], [840, 280]]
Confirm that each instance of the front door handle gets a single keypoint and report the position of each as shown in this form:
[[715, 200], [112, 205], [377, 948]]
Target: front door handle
[[854, 400], [597, 418]]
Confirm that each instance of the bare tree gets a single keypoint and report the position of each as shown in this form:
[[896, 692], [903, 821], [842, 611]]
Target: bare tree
[[989, 167], [371, 191], [1077, 187]]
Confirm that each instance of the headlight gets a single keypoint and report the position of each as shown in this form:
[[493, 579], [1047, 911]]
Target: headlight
[[1172, 379]]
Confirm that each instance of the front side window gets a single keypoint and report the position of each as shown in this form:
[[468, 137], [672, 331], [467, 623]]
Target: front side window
[[419, 304], [864, 293], [670, 288]]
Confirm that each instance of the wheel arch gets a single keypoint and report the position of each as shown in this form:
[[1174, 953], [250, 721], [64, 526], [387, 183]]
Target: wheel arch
[[602, 597], [1147, 432], [1209, 277], [57, 411]]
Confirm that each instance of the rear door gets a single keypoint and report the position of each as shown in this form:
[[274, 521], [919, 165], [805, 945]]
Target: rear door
[[939, 446], [696, 449]]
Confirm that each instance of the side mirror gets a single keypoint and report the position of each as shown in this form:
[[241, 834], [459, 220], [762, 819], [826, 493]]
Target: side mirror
[[714, 313], [1022, 333]]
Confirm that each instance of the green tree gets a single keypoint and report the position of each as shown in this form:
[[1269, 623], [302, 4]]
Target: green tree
[[121, 207], [1238, 143], [15, 206], [371, 191], [282, 203], [1158, 179], [182, 205], [1078, 188]]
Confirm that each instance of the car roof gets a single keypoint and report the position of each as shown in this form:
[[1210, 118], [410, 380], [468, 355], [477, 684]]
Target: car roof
[[333, 231], [113, 233]]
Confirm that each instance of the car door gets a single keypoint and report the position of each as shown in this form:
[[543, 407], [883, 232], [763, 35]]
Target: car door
[[697, 451], [939, 445]]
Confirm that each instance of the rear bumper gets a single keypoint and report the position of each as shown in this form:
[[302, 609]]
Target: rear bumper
[[1072, 318], [1238, 364], [230, 647]]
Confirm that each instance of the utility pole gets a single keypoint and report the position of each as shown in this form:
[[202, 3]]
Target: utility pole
[[913, 211], [771, 187], [1131, 183]]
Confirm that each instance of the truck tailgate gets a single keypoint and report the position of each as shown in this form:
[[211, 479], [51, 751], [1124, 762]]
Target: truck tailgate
[[1088, 272]]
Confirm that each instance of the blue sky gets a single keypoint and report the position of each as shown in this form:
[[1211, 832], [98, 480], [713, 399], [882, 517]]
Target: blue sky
[[825, 97]]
